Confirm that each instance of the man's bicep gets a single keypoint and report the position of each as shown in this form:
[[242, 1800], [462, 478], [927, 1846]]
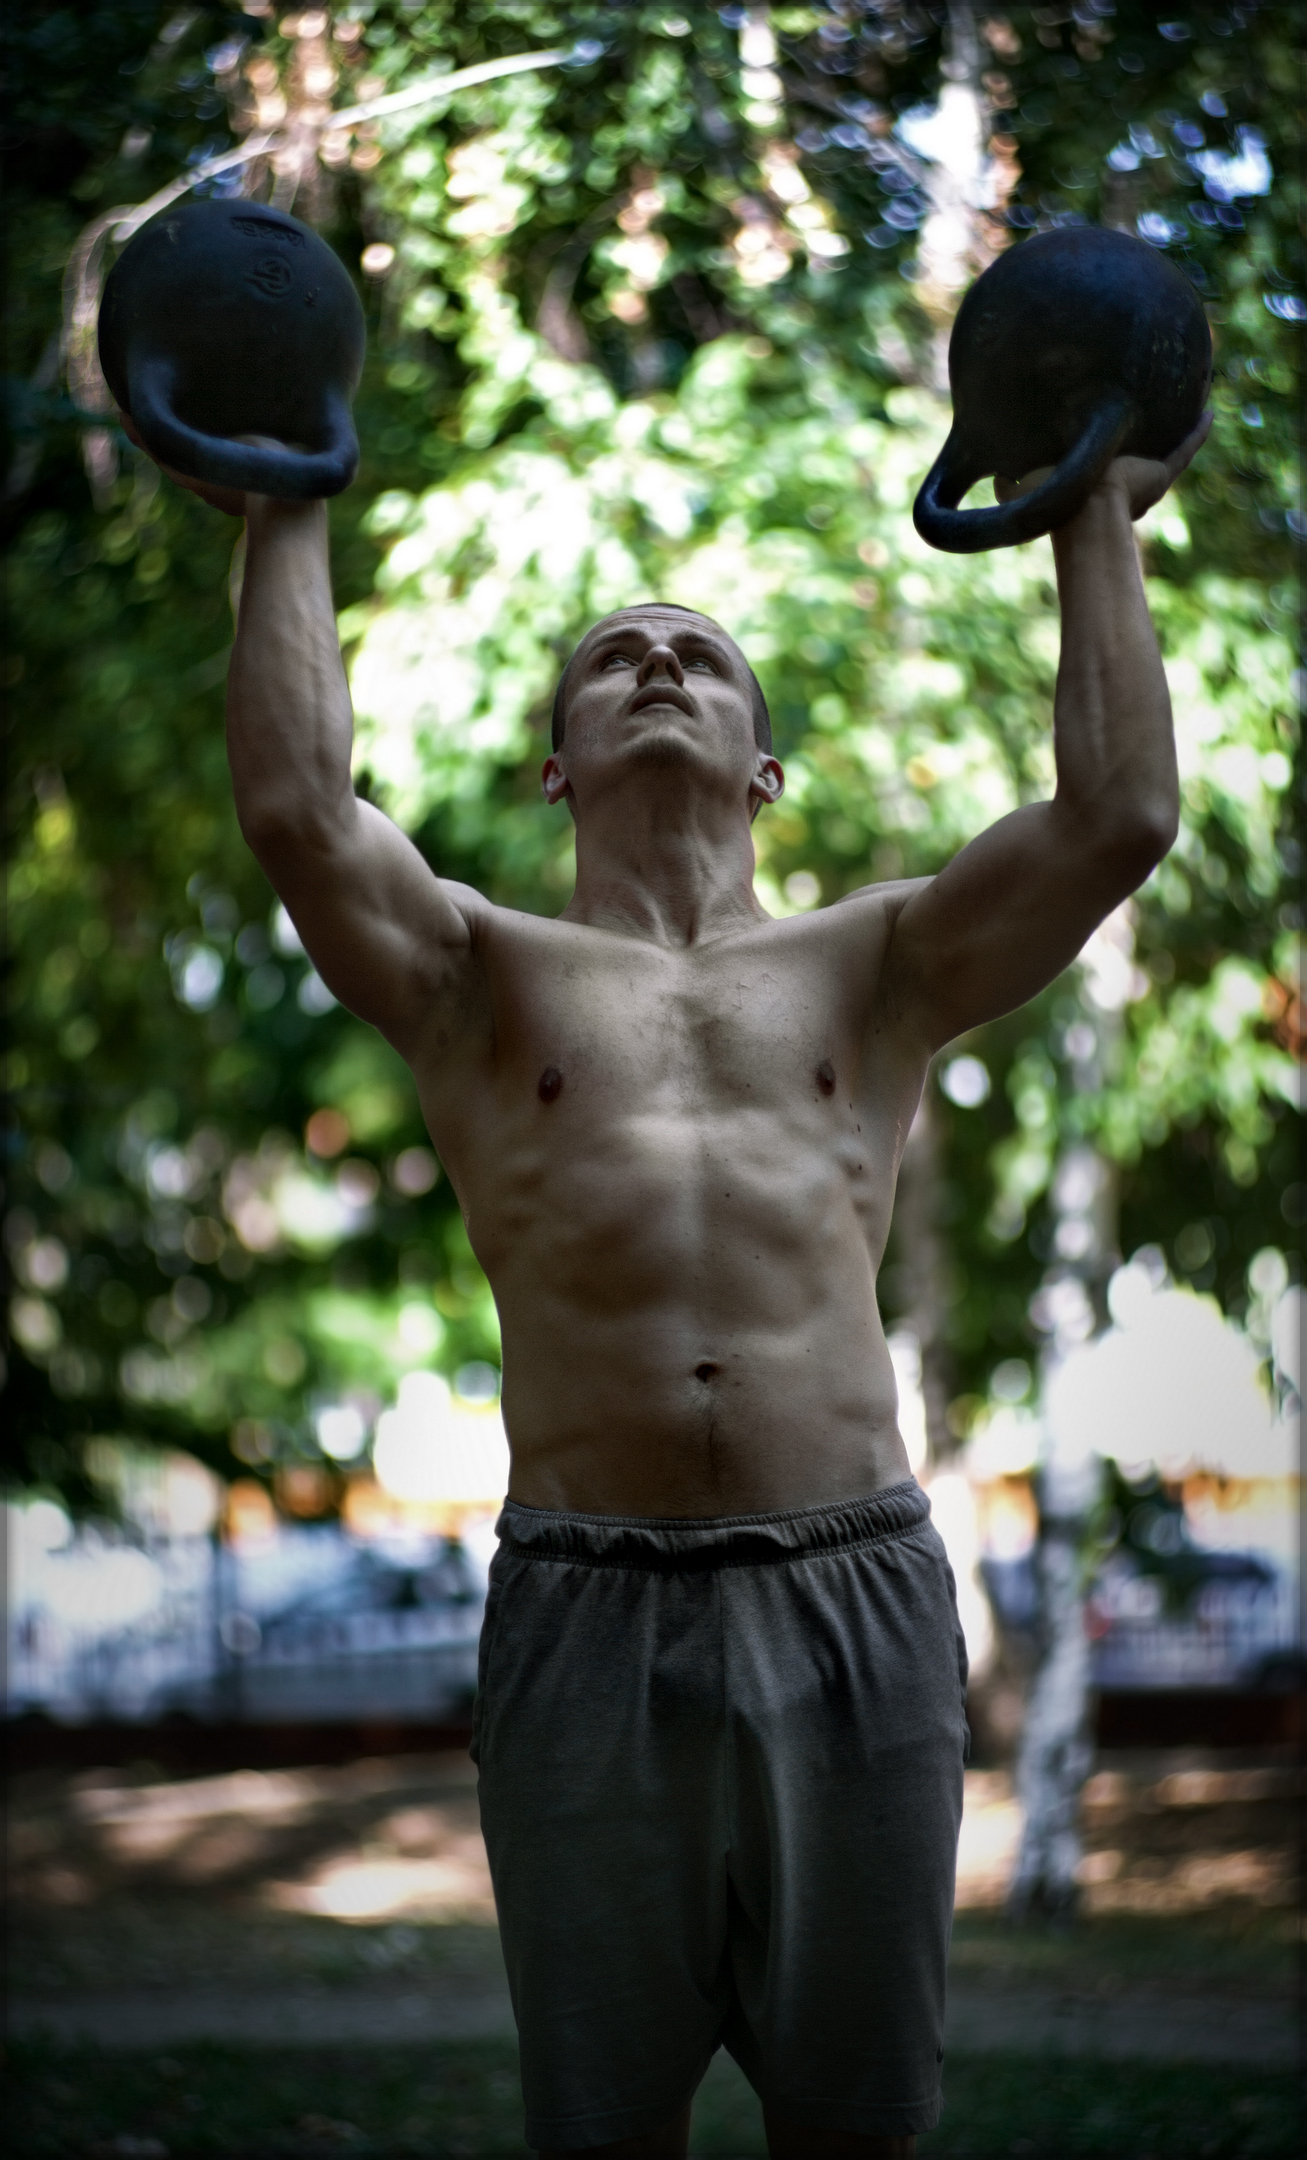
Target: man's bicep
[[384, 932], [1001, 921]]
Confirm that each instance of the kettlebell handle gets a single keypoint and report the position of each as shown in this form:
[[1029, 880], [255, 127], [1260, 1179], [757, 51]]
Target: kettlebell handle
[[292, 475], [936, 515]]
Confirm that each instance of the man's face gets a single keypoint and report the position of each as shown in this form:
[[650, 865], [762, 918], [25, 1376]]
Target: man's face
[[656, 690]]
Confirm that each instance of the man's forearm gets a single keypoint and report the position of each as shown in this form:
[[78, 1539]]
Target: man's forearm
[[289, 723], [1112, 713]]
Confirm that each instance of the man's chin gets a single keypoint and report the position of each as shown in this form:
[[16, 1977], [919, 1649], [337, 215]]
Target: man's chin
[[663, 743]]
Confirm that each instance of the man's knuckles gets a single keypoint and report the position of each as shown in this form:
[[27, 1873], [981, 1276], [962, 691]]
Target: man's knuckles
[[231, 501], [1007, 490]]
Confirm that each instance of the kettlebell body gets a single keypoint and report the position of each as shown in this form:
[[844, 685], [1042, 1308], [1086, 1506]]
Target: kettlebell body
[[224, 318], [1075, 347]]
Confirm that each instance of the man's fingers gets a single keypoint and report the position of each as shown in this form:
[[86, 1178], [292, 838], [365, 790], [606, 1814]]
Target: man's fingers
[[230, 501], [1005, 489], [1189, 448], [1167, 470]]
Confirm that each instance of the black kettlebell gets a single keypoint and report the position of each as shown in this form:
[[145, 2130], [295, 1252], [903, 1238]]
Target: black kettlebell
[[1075, 347], [224, 318]]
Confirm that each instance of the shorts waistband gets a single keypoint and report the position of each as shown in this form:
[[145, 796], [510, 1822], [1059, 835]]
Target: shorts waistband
[[677, 1545]]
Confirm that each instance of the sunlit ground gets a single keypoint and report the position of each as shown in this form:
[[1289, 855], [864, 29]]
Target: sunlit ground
[[189, 1923]]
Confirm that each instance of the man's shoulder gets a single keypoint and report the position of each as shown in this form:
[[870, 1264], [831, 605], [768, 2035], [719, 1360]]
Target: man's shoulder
[[482, 914], [888, 898], [858, 913], [495, 926]]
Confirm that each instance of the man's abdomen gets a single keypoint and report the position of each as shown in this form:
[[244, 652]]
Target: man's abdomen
[[690, 1323]]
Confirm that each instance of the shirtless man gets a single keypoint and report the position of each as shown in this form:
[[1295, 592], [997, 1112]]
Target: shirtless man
[[720, 1718]]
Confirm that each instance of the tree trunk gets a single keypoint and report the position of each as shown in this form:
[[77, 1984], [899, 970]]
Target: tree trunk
[[925, 1266], [1056, 1745]]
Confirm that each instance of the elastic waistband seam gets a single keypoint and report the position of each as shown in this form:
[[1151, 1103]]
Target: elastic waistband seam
[[667, 1564], [907, 1486]]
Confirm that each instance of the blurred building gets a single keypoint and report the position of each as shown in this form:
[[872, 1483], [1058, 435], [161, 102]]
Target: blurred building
[[201, 1602], [1191, 1548]]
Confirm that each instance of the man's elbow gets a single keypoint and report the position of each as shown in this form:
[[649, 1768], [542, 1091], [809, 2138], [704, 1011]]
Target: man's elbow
[[281, 841], [1135, 842], [267, 827], [277, 827]]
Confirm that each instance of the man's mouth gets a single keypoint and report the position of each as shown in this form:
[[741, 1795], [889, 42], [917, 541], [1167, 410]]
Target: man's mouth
[[661, 694]]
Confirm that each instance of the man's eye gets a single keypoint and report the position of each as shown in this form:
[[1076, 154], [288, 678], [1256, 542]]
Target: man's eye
[[617, 659], [702, 664]]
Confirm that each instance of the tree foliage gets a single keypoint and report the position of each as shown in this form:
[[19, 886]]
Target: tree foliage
[[652, 322]]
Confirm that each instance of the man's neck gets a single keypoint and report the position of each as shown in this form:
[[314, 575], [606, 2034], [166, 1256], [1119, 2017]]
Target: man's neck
[[675, 875]]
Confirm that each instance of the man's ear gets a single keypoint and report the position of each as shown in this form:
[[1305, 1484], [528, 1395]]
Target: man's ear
[[553, 779], [768, 782]]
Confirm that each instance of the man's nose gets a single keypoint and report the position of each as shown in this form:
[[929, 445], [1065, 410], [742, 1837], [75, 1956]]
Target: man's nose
[[661, 658]]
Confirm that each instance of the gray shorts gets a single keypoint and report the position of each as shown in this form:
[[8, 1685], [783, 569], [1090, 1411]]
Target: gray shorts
[[721, 1784]]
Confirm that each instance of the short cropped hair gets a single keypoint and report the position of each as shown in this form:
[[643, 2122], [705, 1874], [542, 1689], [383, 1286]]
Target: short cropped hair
[[761, 716]]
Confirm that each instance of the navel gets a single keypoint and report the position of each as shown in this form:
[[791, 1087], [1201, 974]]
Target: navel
[[826, 1077], [550, 1085], [706, 1371]]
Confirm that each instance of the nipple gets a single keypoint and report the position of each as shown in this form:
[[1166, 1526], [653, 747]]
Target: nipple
[[551, 1084], [826, 1077]]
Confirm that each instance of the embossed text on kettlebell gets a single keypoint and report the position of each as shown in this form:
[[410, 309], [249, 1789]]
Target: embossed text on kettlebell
[[262, 228], [271, 275]]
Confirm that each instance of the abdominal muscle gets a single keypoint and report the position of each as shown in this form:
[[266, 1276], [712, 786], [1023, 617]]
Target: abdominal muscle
[[645, 1437], [689, 1322]]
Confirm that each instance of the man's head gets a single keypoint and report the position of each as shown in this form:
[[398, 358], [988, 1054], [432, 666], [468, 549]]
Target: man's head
[[761, 716], [659, 686]]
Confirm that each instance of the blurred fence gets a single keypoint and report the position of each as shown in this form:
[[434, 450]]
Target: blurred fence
[[1237, 1633], [1235, 1626], [309, 1625], [316, 1623]]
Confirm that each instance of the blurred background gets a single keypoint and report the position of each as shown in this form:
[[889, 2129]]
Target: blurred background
[[658, 303]]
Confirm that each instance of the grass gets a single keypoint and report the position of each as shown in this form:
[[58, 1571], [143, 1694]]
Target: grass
[[209, 2098], [95, 1912], [132, 1941], [1040, 2106], [127, 1940], [1239, 1949], [458, 2099]]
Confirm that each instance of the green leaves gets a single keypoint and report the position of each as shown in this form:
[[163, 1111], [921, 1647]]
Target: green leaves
[[609, 359]]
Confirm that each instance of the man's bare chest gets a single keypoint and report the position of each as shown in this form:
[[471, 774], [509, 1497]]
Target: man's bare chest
[[738, 1022]]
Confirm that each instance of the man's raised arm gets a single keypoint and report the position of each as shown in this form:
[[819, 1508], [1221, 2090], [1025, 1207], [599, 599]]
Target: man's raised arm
[[383, 932], [1016, 905]]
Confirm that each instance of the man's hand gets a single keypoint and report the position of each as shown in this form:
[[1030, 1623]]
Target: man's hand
[[1141, 481], [231, 501], [391, 939], [1015, 907], [386, 935]]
